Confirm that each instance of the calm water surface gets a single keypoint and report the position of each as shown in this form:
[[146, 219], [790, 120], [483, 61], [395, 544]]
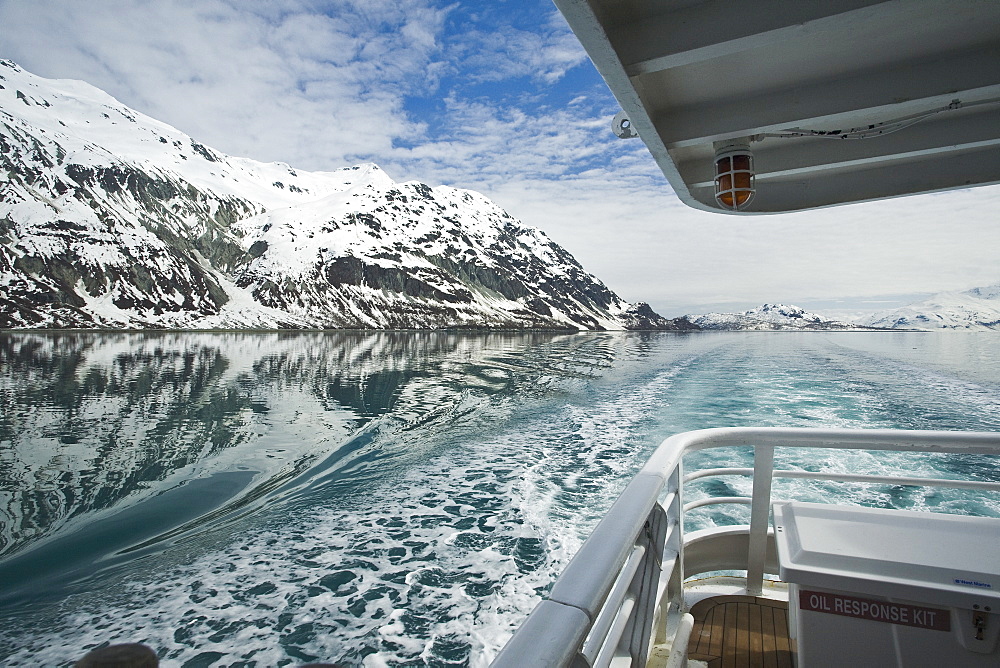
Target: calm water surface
[[268, 499]]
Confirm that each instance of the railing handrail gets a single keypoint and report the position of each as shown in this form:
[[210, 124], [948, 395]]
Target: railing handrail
[[666, 456], [556, 630], [953, 483]]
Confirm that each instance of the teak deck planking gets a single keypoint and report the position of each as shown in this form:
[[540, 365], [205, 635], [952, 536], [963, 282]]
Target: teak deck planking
[[741, 632]]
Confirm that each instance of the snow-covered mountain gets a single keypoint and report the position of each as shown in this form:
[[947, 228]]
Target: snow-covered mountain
[[769, 317], [109, 218], [975, 309]]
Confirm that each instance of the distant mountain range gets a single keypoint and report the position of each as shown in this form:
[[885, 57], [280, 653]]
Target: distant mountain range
[[770, 317], [975, 309], [109, 218]]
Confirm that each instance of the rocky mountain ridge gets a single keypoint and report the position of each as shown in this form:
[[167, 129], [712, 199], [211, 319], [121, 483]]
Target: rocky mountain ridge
[[109, 218]]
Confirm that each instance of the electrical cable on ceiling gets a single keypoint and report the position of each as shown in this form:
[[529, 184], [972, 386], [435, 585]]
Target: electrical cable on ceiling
[[863, 132], [873, 130]]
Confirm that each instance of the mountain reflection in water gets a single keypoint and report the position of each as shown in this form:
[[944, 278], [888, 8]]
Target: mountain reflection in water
[[96, 422], [400, 498]]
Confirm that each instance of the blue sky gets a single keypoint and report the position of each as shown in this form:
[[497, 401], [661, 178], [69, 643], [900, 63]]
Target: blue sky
[[499, 97]]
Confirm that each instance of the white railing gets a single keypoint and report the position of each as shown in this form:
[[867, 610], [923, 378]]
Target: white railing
[[627, 578]]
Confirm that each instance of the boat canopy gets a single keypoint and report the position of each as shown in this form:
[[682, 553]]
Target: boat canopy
[[835, 101]]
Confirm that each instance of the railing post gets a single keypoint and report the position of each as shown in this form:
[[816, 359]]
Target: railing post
[[671, 561], [675, 483], [763, 469], [645, 585]]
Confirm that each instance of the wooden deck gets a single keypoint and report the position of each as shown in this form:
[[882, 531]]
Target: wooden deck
[[741, 632]]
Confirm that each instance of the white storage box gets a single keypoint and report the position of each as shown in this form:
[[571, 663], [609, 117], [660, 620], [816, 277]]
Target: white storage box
[[874, 587]]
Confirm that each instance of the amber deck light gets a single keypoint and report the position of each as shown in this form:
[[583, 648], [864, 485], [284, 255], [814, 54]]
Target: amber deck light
[[734, 175]]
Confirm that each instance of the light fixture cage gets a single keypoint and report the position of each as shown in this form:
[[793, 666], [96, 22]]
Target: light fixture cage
[[735, 182]]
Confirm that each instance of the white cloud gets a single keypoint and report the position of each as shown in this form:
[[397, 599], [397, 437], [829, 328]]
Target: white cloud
[[491, 48], [274, 81], [510, 52], [488, 145]]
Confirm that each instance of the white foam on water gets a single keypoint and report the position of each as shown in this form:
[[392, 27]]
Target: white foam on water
[[439, 563]]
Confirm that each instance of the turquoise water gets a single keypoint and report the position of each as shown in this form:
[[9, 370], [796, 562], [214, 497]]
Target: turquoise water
[[267, 499]]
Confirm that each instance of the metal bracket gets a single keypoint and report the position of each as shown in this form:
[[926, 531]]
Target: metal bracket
[[621, 125]]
